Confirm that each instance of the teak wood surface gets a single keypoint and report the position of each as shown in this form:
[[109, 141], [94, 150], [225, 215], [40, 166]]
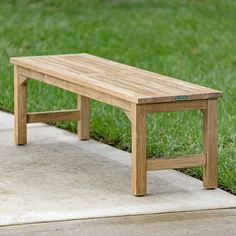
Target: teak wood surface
[[134, 90]]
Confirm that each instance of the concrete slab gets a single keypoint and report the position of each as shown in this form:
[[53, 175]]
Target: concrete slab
[[7, 121], [57, 177], [204, 223]]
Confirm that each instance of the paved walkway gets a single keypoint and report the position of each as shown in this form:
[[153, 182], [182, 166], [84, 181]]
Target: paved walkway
[[56, 177], [204, 223]]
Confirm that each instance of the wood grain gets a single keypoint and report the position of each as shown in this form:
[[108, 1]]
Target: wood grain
[[139, 175], [177, 106], [83, 124], [176, 162], [210, 145], [51, 116], [72, 87], [115, 79], [20, 109]]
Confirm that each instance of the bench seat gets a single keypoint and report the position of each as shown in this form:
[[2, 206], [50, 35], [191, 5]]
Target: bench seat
[[119, 80]]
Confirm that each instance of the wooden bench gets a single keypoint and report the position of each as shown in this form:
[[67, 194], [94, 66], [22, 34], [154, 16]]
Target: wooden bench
[[136, 91]]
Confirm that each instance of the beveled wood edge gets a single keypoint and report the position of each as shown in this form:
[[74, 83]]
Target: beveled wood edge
[[15, 60], [128, 114], [177, 106], [176, 162], [193, 97], [51, 116], [72, 87]]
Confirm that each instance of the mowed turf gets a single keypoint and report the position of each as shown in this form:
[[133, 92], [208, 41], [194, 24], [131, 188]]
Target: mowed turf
[[190, 40]]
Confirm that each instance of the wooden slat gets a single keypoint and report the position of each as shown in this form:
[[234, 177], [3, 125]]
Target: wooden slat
[[129, 83], [115, 79], [176, 162], [83, 79], [177, 106], [117, 102], [51, 116], [210, 145]]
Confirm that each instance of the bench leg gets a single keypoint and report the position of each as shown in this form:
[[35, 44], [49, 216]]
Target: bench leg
[[139, 173], [210, 145], [20, 110], [83, 125]]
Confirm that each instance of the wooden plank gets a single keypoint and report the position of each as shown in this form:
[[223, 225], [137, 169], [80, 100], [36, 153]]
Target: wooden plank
[[51, 116], [117, 102], [20, 109], [137, 72], [139, 175], [129, 83], [210, 145], [115, 79], [174, 98], [82, 79], [176, 106], [176, 162], [83, 124]]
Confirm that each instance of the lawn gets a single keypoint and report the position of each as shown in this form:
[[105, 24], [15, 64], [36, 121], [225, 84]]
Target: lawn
[[191, 40]]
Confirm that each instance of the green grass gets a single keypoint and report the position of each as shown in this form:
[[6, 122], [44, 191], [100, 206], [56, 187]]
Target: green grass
[[191, 40]]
